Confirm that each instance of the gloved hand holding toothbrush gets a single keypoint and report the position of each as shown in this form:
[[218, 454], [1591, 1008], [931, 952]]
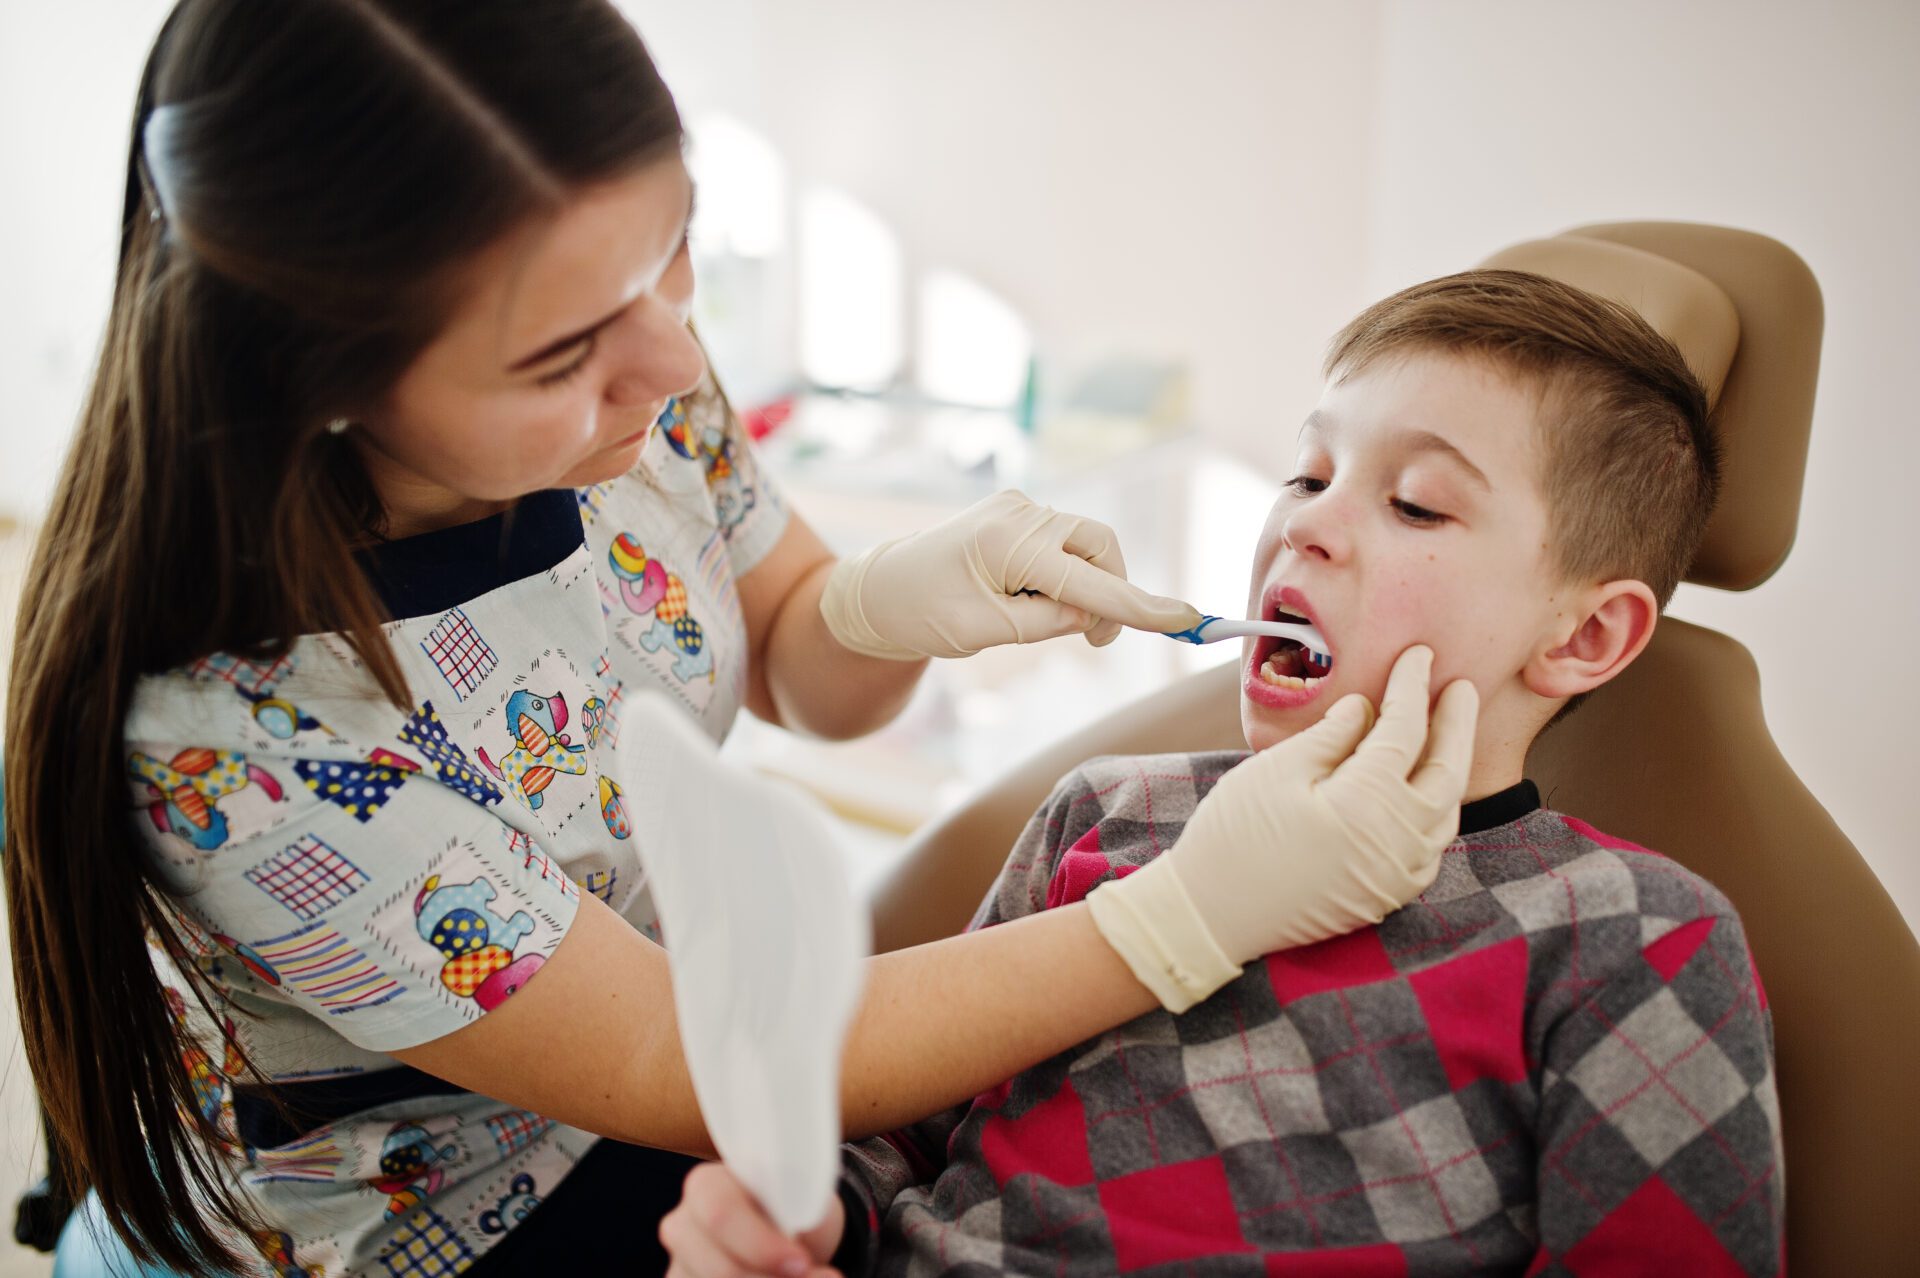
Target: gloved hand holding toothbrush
[[1005, 570]]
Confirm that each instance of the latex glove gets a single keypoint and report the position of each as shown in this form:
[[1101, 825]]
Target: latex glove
[[1306, 840], [956, 587]]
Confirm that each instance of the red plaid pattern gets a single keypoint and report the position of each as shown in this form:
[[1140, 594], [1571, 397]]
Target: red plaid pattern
[[249, 676], [458, 652], [1557, 1061], [673, 605], [309, 877], [516, 1129], [466, 973]]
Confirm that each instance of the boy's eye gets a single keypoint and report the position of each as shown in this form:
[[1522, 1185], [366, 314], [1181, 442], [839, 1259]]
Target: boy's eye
[[1417, 515], [567, 374], [1305, 485]]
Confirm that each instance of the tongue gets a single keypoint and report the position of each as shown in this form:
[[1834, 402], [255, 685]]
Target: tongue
[[1289, 659]]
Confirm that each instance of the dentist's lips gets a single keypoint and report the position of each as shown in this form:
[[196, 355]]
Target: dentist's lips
[[1289, 694], [649, 428]]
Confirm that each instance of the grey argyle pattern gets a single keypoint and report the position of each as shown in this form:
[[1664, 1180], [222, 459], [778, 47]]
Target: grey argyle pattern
[[1558, 1060]]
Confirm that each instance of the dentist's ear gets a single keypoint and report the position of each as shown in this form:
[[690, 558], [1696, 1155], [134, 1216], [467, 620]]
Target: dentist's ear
[[1616, 620]]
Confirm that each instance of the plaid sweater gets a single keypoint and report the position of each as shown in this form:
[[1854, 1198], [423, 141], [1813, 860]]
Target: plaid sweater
[[1557, 1061]]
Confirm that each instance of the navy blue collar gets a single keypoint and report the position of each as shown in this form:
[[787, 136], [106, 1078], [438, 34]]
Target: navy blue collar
[[428, 574]]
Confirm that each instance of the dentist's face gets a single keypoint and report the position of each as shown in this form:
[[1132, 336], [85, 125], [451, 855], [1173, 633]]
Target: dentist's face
[[557, 361], [1415, 515]]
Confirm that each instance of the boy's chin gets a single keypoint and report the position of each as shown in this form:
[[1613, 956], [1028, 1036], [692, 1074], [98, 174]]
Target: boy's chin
[[1265, 727]]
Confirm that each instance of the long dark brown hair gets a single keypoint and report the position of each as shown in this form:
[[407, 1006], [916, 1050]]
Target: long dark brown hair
[[306, 180]]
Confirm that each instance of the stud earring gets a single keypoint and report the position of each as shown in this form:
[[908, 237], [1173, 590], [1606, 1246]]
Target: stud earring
[[338, 426]]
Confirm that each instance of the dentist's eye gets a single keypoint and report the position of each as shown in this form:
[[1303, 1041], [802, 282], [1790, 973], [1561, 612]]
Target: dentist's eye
[[1419, 516], [562, 376], [1304, 485]]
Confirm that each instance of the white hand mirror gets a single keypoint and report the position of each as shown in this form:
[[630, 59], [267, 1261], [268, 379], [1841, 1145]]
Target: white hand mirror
[[766, 941]]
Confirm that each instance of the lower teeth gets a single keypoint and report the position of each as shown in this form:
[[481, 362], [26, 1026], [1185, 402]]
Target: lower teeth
[[1284, 681]]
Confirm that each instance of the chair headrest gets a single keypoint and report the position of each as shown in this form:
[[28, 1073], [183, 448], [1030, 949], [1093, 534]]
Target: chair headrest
[[1746, 313]]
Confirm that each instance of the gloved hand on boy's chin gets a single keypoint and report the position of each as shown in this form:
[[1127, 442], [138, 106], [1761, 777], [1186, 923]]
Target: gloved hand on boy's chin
[[1304, 841], [1005, 570]]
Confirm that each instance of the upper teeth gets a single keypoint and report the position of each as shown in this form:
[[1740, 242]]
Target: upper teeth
[[1315, 655]]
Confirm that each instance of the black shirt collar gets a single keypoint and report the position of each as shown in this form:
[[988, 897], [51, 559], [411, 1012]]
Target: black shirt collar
[[1499, 808]]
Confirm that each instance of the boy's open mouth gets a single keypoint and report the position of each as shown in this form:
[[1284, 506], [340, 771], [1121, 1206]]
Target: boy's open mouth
[[1287, 663]]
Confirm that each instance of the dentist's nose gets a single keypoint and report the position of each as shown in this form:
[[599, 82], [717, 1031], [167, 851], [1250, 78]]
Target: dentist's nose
[[657, 356]]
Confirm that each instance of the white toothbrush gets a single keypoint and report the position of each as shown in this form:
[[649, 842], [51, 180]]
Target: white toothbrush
[[1214, 629]]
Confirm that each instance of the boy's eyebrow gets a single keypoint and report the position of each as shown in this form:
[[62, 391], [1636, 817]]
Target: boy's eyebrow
[[1425, 441], [1419, 441]]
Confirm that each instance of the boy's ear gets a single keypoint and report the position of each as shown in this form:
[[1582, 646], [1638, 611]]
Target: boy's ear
[[1618, 621]]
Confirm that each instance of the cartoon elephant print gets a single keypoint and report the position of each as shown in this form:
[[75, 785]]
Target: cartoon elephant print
[[408, 1167], [477, 943]]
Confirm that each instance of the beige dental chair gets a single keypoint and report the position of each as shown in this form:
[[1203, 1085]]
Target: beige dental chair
[[1674, 755]]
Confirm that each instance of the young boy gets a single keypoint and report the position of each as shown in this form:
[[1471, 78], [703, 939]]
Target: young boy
[[1558, 1059]]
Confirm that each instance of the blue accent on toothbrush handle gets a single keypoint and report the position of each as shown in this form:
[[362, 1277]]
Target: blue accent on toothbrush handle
[[1192, 635]]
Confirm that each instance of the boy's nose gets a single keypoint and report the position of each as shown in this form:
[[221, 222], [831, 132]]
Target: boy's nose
[[655, 355], [1318, 530]]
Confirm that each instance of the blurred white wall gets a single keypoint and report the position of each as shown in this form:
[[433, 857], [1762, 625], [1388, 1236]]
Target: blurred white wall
[[1164, 180], [1501, 121], [1226, 183], [1230, 182], [68, 72]]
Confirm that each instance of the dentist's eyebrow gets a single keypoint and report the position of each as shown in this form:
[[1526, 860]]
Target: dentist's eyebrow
[[554, 347]]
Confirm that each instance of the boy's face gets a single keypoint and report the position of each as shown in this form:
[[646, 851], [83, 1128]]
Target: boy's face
[[1415, 516]]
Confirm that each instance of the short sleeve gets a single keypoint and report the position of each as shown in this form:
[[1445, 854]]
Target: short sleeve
[[378, 891], [748, 508]]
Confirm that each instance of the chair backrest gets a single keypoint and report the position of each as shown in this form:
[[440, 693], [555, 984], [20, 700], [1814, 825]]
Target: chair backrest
[[1674, 754]]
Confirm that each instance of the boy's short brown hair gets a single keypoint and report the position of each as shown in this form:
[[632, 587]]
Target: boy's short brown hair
[[1632, 463]]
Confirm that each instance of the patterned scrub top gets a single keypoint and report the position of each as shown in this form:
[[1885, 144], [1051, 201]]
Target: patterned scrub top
[[362, 880]]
